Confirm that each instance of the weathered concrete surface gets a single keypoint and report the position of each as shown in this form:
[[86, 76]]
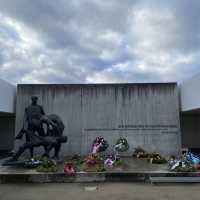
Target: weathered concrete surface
[[93, 177], [133, 170], [111, 191], [130, 164], [146, 114]]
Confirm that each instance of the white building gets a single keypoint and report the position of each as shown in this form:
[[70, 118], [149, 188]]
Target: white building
[[7, 116], [190, 112], [7, 100]]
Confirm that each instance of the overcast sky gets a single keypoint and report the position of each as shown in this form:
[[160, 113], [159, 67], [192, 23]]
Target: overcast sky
[[98, 41]]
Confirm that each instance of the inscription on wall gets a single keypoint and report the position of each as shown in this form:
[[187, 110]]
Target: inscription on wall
[[167, 129], [162, 128]]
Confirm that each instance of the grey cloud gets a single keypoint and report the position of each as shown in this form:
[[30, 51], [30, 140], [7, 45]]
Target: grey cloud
[[83, 41]]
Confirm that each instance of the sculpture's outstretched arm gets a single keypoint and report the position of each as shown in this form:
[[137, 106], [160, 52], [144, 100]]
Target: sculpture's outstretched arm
[[42, 110], [20, 134]]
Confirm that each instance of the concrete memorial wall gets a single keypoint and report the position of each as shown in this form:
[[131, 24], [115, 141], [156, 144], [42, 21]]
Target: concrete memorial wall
[[146, 114]]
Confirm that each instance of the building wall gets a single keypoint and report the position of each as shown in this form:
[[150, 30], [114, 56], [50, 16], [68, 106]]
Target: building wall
[[7, 132], [7, 116], [190, 126], [146, 114], [190, 95], [7, 100]]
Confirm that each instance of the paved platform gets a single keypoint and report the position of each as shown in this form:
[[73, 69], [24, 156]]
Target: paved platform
[[111, 191], [133, 170], [129, 165]]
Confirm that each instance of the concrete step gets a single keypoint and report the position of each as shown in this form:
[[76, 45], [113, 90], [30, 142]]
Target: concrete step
[[174, 179], [66, 178], [89, 177]]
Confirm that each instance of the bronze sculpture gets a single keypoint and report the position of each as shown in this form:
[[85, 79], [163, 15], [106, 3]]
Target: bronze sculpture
[[32, 119], [36, 135], [48, 142]]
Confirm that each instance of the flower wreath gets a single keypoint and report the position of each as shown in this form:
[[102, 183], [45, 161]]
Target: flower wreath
[[99, 145], [121, 145]]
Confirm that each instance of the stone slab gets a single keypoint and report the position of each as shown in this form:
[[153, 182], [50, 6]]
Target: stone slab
[[96, 177], [146, 114]]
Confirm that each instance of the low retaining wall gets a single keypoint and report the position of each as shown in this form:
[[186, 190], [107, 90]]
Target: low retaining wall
[[89, 177]]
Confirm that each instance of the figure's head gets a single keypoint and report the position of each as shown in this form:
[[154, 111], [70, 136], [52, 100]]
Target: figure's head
[[34, 100]]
